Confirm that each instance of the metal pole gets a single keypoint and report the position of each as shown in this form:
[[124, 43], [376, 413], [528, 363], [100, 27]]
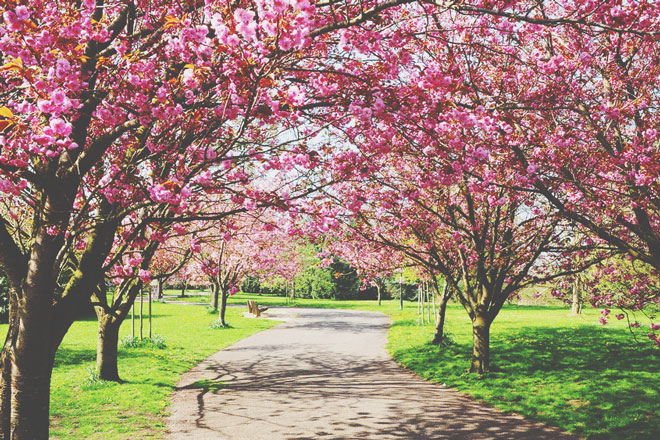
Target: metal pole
[[150, 295], [133, 321], [141, 308], [428, 300], [433, 299]]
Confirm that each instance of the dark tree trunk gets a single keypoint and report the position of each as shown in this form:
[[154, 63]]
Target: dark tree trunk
[[160, 288], [378, 291], [184, 286], [31, 366], [30, 397], [106, 347], [480, 345], [215, 292], [5, 366], [223, 307], [443, 299]]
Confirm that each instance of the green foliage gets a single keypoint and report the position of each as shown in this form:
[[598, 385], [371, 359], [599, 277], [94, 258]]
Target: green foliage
[[251, 284], [156, 341], [337, 281], [93, 381], [314, 282], [217, 324]]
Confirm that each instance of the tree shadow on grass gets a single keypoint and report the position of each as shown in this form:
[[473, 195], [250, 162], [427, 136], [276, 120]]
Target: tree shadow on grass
[[589, 380], [72, 356]]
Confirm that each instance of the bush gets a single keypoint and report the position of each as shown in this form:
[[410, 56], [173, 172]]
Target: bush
[[156, 341], [217, 324]]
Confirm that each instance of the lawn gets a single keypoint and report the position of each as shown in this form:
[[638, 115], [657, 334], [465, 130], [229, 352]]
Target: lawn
[[85, 408], [566, 371]]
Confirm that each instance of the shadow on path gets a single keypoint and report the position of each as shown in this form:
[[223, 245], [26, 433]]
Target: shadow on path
[[326, 375]]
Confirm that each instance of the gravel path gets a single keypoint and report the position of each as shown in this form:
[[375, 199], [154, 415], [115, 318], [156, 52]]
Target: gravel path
[[325, 374]]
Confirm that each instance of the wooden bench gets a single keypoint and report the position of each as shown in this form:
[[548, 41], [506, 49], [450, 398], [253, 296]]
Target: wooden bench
[[254, 308]]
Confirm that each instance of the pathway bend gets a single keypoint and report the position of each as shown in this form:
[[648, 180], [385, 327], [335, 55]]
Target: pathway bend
[[325, 374]]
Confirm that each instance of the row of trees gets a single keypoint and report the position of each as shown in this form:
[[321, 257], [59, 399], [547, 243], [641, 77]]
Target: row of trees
[[495, 143]]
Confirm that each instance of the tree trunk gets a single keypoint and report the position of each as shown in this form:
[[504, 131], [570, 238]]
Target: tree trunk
[[439, 335], [30, 396], [106, 347], [215, 292], [5, 366], [480, 345], [160, 288], [378, 291], [576, 306], [31, 359], [184, 286], [223, 307]]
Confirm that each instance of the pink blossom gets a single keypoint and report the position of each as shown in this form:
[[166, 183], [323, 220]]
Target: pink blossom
[[602, 320], [62, 68], [11, 20], [655, 326], [60, 127], [482, 154], [145, 276], [22, 13], [246, 26]]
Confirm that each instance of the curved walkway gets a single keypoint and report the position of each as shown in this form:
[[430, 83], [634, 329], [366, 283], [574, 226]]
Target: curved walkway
[[325, 374]]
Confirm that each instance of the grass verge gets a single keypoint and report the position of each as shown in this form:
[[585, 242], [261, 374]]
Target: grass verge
[[563, 370], [83, 407], [567, 371]]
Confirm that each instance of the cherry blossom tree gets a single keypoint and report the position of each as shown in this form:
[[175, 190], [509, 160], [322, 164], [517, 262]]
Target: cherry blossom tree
[[106, 105]]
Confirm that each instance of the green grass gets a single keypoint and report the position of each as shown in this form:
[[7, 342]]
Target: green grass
[[273, 300], [191, 298], [563, 370], [83, 407], [566, 371]]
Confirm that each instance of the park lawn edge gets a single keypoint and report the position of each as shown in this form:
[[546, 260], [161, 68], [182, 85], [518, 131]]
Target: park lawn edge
[[83, 407], [568, 372], [407, 344]]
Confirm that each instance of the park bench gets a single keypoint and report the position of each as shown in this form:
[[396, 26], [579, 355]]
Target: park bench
[[254, 308]]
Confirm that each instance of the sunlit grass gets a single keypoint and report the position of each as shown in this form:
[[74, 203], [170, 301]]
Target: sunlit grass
[[566, 371], [85, 408]]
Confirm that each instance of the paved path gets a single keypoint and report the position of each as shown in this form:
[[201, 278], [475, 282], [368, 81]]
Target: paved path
[[325, 374]]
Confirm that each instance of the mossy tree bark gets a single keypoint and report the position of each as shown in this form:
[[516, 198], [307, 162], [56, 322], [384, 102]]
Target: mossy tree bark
[[480, 345], [107, 348], [224, 294], [215, 293], [576, 303]]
